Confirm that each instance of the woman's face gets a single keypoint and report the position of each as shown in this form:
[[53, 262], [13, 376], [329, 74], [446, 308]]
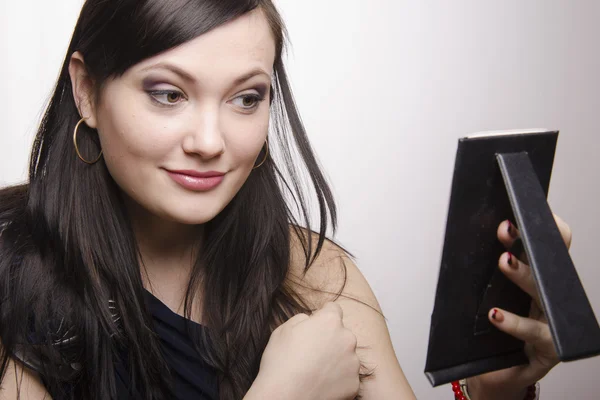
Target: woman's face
[[202, 107]]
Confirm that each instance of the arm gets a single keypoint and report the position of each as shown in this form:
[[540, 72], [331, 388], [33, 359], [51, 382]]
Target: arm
[[264, 389], [259, 391], [370, 328], [375, 348]]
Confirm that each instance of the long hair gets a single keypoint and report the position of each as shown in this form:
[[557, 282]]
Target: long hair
[[67, 249]]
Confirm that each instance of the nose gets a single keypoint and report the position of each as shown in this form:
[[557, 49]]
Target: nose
[[204, 136]]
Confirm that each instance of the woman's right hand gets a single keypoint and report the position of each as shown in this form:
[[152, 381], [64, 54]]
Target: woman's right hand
[[310, 357]]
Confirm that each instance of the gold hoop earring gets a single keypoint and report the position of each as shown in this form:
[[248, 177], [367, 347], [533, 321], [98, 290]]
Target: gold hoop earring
[[266, 154], [77, 147]]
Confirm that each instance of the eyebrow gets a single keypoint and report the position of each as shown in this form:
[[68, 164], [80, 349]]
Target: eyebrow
[[188, 77]]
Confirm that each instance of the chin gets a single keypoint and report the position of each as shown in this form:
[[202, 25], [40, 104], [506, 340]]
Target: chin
[[194, 215]]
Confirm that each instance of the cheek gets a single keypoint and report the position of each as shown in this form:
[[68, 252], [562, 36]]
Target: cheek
[[131, 136], [246, 138], [132, 144]]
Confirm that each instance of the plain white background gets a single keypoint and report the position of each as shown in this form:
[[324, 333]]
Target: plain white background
[[385, 88]]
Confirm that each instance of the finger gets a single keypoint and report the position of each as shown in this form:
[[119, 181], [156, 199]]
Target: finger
[[528, 330], [351, 339], [510, 237], [333, 308], [565, 230], [507, 233], [520, 273], [296, 319]]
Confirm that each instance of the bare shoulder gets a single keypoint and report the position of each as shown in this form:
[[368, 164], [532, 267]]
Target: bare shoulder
[[331, 276], [18, 380], [334, 276]]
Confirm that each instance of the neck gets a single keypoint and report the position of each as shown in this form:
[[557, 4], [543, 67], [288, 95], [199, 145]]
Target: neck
[[167, 249]]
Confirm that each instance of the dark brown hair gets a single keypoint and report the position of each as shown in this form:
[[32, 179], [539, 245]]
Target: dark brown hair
[[68, 247]]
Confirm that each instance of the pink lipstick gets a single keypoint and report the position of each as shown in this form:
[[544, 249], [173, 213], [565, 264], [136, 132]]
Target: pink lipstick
[[196, 180]]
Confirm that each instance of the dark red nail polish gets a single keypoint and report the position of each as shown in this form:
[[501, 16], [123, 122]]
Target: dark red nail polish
[[511, 230], [497, 316], [512, 262]]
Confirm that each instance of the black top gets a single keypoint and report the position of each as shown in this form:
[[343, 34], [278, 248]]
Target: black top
[[192, 378]]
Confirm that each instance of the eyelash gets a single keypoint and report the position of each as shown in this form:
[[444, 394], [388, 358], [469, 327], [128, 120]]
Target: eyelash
[[257, 100], [153, 93]]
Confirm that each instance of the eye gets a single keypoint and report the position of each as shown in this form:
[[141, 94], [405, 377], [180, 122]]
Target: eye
[[248, 101], [166, 97]]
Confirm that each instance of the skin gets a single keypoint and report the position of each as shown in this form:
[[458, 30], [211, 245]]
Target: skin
[[202, 125], [28, 382], [371, 330], [209, 127], [534, 331]]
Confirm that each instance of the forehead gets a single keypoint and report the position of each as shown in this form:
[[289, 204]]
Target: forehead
[[230, 49]]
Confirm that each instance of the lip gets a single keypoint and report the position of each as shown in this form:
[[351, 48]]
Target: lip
[[195, 180], [197, 174]]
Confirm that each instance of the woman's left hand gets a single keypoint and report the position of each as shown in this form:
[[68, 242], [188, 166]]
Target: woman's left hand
[[512, 383]]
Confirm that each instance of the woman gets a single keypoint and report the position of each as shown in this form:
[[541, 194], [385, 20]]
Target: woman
[[156, 251]]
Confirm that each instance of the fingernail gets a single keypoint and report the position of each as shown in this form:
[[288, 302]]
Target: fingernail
[[511, 262], [497, 315], [510, 230]]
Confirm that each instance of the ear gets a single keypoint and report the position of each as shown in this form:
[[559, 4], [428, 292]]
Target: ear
[[83, 89]]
